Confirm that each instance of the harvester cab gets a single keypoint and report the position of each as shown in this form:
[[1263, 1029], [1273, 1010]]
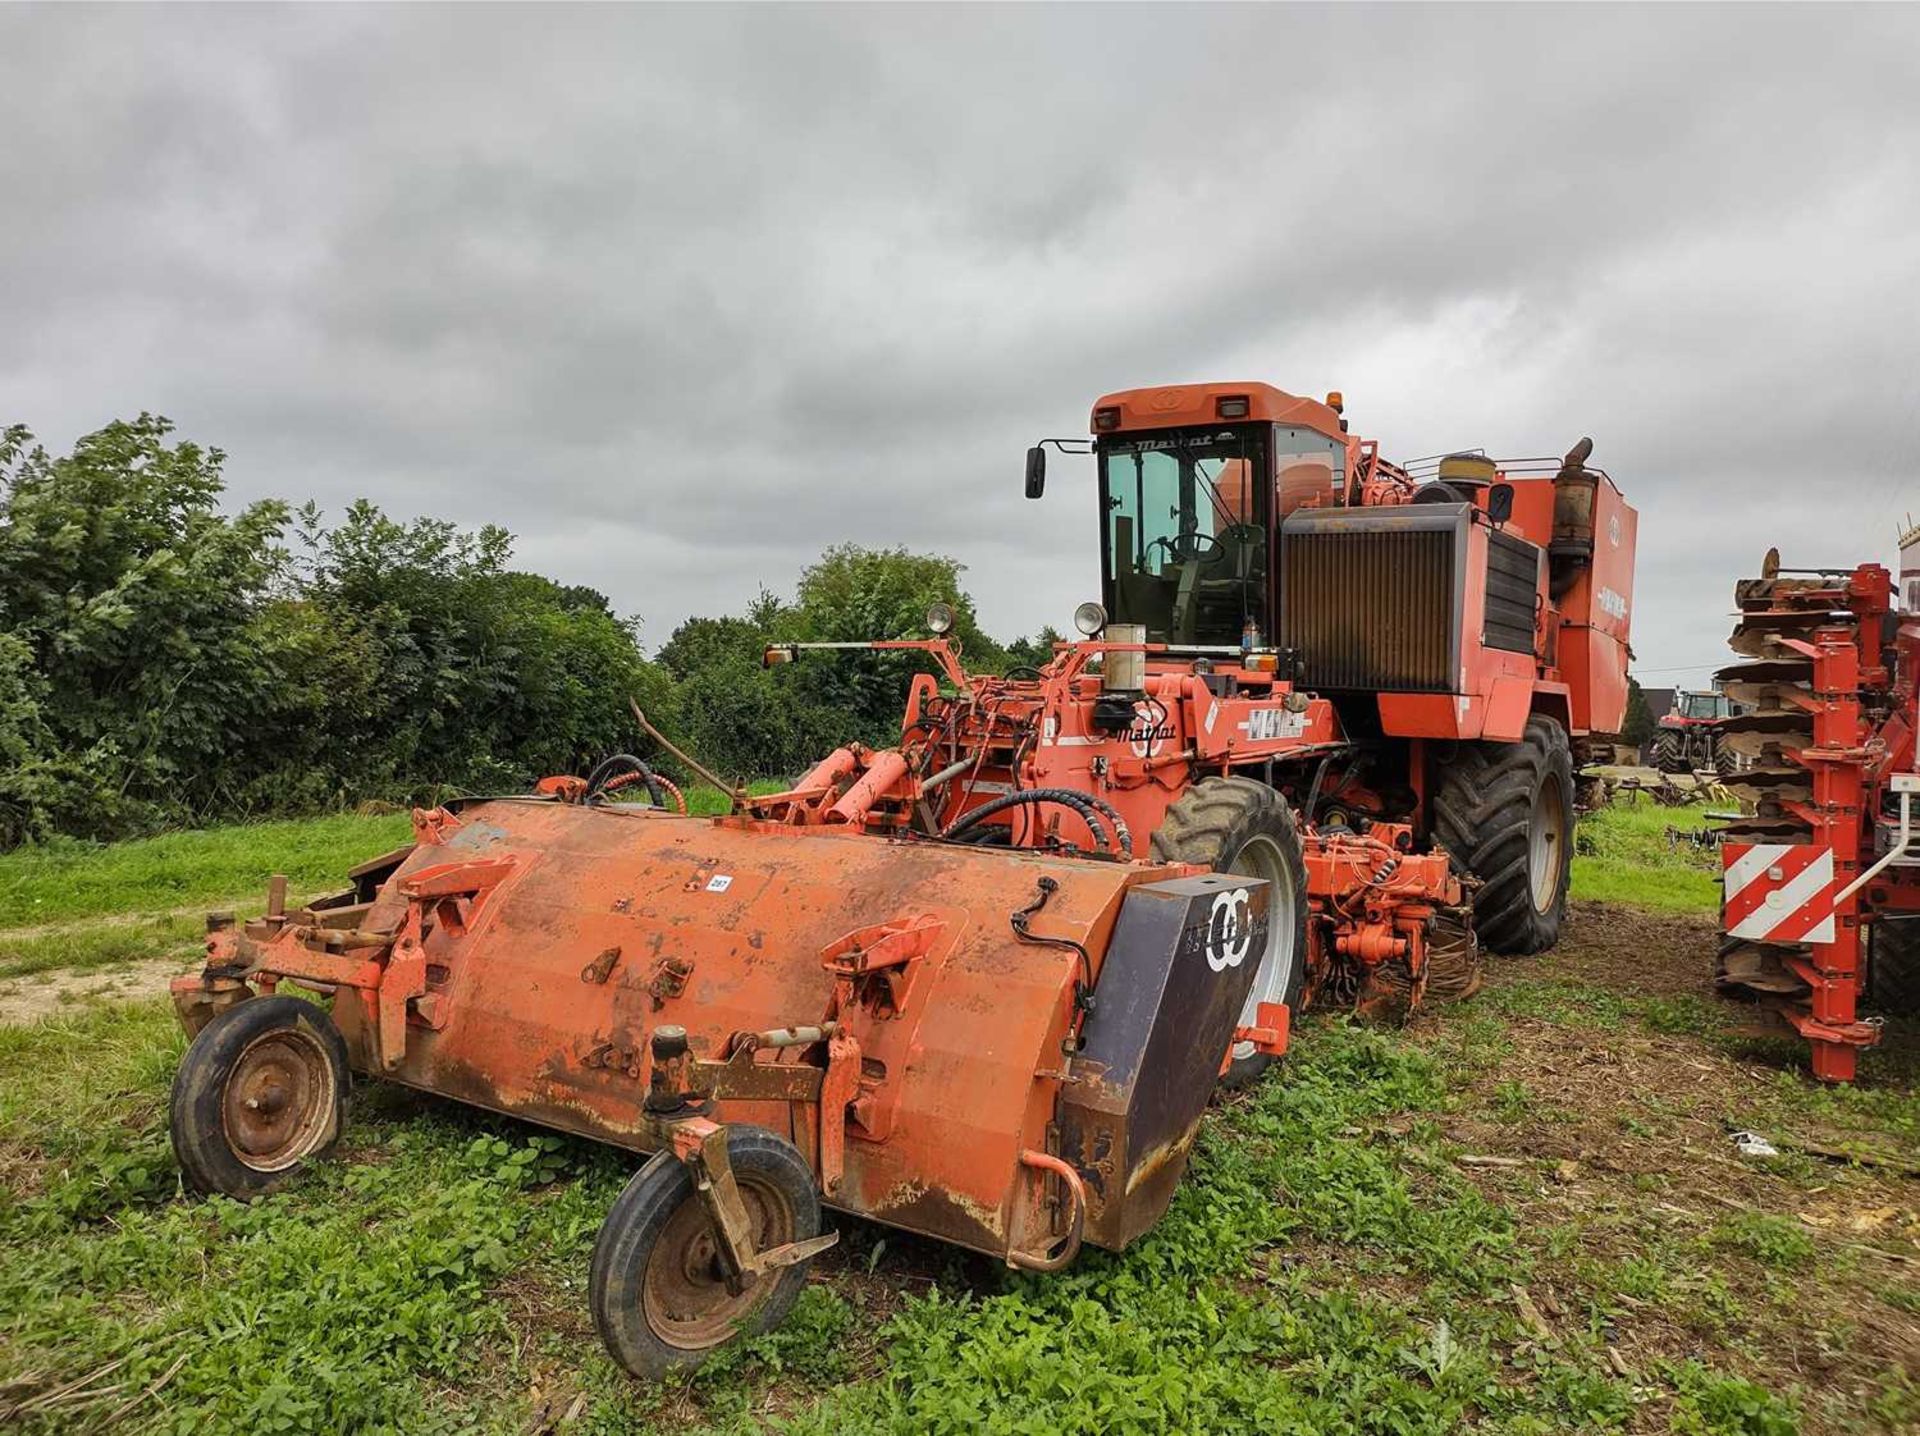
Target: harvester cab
[[1314, 745]]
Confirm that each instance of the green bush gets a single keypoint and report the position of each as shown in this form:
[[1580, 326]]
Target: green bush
[[165, 663]]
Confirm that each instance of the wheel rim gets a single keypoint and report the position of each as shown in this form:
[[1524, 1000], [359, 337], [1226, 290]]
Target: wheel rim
[[1547, 842], [279, 1101], [1262, 858], [682, 1293]]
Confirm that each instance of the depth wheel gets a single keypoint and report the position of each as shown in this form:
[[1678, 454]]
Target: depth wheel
[[261, 1093], [1237, 825], [658, 1297], [1504, 813]]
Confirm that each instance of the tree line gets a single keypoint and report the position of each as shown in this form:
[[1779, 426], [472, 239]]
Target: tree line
[[166, 662]]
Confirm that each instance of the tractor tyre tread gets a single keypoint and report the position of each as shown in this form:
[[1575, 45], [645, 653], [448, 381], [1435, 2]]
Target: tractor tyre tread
[[1669, 753], [195, 1117], [640, 1213], [1893, 966], [1483, 817], [1209, 824]]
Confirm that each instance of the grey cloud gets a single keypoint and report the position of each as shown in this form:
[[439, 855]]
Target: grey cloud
[[683, 295]]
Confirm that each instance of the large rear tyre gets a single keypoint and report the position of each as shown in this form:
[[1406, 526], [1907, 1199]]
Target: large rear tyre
[[658, 1295], [1669, 752], [1504, 812], [1893, 966], [261, 1093], [1238, 825]]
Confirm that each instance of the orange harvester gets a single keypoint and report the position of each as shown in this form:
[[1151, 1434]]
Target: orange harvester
[[1317, 743]]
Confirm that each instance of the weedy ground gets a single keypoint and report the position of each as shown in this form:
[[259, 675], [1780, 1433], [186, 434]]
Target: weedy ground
[[1523, 1213]]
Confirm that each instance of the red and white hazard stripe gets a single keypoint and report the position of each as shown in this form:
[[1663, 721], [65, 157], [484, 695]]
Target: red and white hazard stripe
[[1778, 892]]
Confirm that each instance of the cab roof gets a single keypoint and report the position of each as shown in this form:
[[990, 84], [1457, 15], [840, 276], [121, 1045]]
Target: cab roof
[[1181, 404]]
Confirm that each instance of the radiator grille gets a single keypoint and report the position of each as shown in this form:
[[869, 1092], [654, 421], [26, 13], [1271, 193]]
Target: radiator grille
[[1513, 587], [1370, 609]]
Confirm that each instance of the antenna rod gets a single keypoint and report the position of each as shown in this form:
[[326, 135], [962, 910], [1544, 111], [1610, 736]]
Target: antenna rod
[[735, 791]]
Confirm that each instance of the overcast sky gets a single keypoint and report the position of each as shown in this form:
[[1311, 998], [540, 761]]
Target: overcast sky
[[683, 296]]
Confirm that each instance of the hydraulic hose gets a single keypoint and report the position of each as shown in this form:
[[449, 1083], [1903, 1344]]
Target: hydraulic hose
[[1069, 798], [1121, 834], [1033, 797], [614, 763], [627, 780]]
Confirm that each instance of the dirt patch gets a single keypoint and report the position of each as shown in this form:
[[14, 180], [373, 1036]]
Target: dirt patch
[[1605, 1125], [49, 994]]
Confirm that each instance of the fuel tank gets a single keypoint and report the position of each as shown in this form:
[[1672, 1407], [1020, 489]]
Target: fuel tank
[[610, 923]]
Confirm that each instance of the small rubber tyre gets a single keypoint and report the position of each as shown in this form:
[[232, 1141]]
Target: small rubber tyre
[[1669, 752], [1504, 813], [1238, 825], [1893, 966], [659, 1301], [261, 1093]]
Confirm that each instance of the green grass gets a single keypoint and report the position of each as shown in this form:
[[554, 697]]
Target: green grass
[[1324, 1268], [65, 881], [1623, 855], [98, 945], [83, 906], [1327, 1266], [382, 1293]]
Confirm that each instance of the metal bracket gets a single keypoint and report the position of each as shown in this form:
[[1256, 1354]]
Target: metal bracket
[[701, 1146], [838, 1090]]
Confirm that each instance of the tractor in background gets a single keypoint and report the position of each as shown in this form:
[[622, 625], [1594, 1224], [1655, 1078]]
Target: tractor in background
[[1689, 737]]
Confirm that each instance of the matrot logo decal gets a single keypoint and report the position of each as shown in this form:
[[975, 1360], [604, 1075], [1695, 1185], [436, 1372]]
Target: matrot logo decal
[[1150, 729], [1230, 930]]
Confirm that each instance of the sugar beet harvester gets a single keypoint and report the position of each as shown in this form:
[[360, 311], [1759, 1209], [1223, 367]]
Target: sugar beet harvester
[[980, 985]]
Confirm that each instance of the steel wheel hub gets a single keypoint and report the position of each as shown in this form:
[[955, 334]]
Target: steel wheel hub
[[279, 1100], [684, 1291], [1546, 842], [1262, 858]]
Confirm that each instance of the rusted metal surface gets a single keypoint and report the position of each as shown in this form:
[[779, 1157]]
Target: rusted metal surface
[[279, 1103], [931, 1103], [601, 968]]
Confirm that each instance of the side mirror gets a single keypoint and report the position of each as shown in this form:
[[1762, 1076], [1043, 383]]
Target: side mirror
[[1036, 471], [1500, 503]]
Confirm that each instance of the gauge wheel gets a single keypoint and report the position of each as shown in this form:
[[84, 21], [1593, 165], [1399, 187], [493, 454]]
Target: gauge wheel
[[1240, 826], [260, 1094], [1504, 813], [659, 1297]]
